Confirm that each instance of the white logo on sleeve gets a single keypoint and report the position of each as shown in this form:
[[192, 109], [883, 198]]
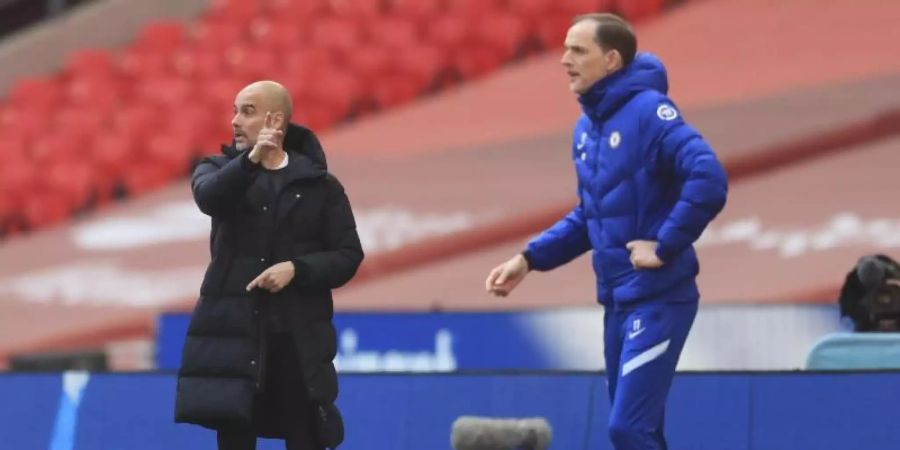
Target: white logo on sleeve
[[615, 139], [582, 140], [636, 329], [667, 112]]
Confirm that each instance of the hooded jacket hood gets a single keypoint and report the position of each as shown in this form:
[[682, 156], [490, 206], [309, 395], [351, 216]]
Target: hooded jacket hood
[[606, 96]]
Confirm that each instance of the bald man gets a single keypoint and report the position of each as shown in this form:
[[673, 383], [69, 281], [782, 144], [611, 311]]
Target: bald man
[[257, 359]]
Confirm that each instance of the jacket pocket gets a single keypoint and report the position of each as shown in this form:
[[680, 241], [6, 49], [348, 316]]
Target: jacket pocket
[[214, 402]]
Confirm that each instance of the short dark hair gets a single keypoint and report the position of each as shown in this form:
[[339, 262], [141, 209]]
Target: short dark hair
[[613, 33]]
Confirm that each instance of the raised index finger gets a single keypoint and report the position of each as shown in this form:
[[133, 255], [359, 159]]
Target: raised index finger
[[269, 119]]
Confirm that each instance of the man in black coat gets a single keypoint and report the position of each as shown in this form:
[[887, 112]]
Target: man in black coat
[[258, 355]]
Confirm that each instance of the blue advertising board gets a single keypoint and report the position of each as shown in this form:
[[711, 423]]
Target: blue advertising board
[[442, 342], [738, 411], [773, 337]]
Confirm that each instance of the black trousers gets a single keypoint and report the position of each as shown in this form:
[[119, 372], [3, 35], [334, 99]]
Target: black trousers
[[286, 394]]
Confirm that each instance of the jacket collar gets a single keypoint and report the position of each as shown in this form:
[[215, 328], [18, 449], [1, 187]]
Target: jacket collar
[[611, 92]]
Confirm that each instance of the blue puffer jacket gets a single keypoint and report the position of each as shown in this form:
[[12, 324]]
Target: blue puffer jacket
[[643, 173]]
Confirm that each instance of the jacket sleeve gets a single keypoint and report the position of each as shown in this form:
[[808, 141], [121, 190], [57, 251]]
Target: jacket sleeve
[[678, 149], [337, 264], [559, 244], [215, 187]]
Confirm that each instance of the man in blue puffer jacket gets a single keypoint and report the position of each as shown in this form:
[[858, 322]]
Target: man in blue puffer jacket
[[648, 185]]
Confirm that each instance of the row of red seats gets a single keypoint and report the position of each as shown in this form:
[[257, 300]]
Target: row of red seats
[[113, 124], [421, 8]]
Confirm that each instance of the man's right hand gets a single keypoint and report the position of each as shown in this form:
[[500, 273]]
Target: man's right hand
[[269, 139], [505, 277]]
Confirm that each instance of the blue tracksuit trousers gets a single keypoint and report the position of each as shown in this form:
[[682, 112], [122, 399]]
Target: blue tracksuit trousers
[[643, 343]]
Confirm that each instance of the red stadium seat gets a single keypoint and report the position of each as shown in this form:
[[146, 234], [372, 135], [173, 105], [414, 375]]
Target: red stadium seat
[[56, 146], [574, 7], [136, 121], [217, 34], [504, 32], [476, 60], [336, 33], [296, 10], [171, 152], [91, 63], [394, 32], [449, 31], [139, 63], [198, 63], [78, 123], [638, 9], [40, 93], [394, 90], [315, 116], [194, 124], [220, 93], [251, 63], [218, 135], [18, 180], [14, 151], [70, 180], [277, 34], [364, 9], [308, 60], [9, 216], [144, 178], [234, 9], [473, 8], [41, 209], [218, 98], [96, 92], [163, 36], [419, 9], [24, 123], [551, 30], [112, 152], [337, 90], [369, 61], [530, 8], [422, 63], [169, 91]]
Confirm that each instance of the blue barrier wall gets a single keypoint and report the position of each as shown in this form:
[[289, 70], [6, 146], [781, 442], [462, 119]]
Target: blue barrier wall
[[765, 411], [439, 342], [777, 337]]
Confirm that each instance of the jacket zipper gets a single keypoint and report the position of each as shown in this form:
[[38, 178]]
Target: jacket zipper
[[262, 318]]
